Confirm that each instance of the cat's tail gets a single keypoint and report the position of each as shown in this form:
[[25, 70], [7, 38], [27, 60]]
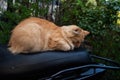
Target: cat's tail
[[15, 50]]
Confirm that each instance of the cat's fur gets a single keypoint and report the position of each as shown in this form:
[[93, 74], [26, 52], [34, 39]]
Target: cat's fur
[[35, 34]]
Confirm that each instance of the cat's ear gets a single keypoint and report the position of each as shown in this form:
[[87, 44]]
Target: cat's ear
[[76, 31], [86, 32]]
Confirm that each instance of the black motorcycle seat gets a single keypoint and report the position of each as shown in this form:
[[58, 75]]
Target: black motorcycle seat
[[41, 62]]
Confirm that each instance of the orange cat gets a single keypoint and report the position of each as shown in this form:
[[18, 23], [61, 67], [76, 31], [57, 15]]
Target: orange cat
[[35, 35]]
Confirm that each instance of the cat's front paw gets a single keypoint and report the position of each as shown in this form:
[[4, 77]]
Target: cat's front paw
[[72, 47], [68, 48]]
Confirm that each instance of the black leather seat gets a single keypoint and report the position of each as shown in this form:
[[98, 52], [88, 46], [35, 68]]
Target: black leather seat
[[42, 64]]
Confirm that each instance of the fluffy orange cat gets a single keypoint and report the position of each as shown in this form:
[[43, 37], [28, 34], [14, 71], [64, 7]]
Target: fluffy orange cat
[[35, 35]]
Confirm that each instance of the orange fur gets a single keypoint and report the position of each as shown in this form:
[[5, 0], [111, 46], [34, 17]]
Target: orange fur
[[75, 34], [35, 34]]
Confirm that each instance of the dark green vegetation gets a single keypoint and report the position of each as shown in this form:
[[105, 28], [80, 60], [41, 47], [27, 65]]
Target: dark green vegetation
[[100, 19]]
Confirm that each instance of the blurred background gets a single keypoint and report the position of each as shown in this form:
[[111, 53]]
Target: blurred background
[[100, 17]]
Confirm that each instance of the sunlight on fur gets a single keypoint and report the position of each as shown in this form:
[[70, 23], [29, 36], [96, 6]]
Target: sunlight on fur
[[36, 35]]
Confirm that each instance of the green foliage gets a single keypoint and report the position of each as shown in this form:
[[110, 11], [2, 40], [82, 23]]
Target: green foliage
[[17, 12]]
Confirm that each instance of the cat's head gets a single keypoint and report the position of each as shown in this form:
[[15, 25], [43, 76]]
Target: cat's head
[[75, 34]]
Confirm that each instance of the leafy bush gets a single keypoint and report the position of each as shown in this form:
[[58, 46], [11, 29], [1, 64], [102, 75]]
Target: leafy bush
[[17, 12], [100, 20]]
